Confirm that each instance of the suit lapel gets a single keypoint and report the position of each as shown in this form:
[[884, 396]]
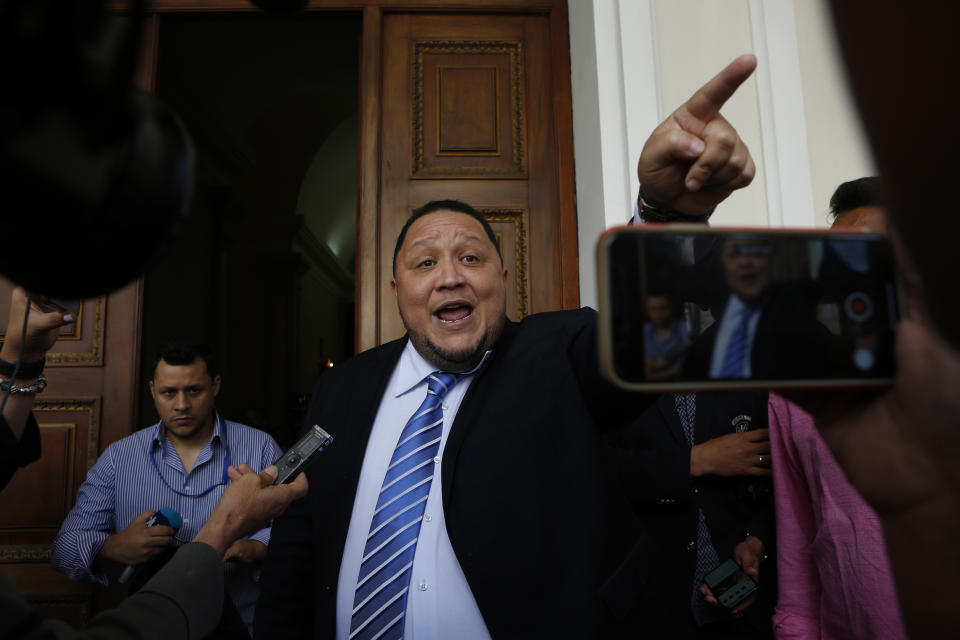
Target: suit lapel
[[667, 407], [353, 413], [466, 414]]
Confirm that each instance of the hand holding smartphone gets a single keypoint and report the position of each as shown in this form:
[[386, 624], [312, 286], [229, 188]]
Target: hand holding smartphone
[[730, 584]]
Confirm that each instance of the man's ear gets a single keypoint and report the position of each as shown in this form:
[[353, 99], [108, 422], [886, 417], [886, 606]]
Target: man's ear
[[216, 385], [151, 387], [506, 273], [393, 286]]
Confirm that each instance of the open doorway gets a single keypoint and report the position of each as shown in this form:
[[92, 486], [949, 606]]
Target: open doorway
[[263, 270]]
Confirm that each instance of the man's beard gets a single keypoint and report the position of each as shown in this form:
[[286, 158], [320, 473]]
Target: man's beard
[[450, 360]]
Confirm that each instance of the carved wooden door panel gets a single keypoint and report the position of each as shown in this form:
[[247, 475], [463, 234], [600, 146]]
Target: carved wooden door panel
[[476, 108], [90, 402]]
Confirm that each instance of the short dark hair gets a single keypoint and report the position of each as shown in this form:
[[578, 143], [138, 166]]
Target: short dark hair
[[863, 192], [181, 353], [445, 205]]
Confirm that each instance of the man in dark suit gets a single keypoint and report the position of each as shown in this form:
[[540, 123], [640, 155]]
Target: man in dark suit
[[765, 328], [697, 467], [514, 516], [488, 512]]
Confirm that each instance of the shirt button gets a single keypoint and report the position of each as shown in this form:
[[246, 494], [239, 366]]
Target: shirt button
[[186, 520], [444, 406], [695, 490], [691, 545], [423, 586], [186, 487], [428, 517], [436, 459]]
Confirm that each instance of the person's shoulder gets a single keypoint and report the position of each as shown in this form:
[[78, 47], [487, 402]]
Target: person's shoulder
[[245, 431], [136, 439], [568, 318], [119, 451], [362, 367], [548, 330]]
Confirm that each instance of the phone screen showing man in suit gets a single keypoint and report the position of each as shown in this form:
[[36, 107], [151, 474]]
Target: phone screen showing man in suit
[[697, 308]]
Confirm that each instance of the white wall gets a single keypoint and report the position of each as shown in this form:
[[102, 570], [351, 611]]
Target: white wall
[[837, 143], [633, 61]]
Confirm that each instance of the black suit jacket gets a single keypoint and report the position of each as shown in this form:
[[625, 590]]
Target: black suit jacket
[[789, 341], [654, 461], [548, 546]]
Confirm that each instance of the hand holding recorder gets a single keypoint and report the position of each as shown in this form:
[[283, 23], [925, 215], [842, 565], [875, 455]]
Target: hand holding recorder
[[248, 503]]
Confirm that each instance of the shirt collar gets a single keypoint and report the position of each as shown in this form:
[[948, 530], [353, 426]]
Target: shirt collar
[[413, 369], [736, 305]]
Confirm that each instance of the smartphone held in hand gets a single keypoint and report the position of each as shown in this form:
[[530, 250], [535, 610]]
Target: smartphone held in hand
[[729, 584], [686, 307]]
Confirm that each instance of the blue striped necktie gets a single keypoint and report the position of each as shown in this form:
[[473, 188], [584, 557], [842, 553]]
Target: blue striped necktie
[[380, 600], [737, 347]]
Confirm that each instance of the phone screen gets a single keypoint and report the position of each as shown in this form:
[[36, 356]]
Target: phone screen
[[701, 307], [730, 584]]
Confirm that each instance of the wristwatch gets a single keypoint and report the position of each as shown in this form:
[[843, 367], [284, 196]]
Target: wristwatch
[[654, 213]]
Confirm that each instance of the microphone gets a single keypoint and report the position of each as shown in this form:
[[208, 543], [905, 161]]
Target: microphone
[[165, 517]]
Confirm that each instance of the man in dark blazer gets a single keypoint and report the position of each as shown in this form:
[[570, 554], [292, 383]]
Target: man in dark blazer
[[518, 517], [766, 329], [703, 492], [547, 546]]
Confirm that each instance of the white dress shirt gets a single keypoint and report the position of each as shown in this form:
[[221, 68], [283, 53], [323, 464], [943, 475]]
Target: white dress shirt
[[728, 324], [439, 603]]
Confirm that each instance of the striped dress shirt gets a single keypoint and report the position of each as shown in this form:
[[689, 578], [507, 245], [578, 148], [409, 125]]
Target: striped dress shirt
[[440, 603], [124, 483]]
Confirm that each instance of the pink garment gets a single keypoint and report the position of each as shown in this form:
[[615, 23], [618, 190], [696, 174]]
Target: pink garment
[[835, 580]]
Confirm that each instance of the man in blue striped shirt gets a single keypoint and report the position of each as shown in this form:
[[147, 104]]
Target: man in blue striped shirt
[[181, 463]]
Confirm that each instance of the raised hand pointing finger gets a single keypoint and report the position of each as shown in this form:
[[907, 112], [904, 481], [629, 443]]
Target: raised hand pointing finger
[[694, 159]]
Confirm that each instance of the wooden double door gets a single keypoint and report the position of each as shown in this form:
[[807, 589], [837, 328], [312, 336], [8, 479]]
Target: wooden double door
[[471, 103]]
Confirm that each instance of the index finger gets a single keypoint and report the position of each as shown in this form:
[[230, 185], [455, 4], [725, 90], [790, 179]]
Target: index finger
[[299, 486], [707, 101]]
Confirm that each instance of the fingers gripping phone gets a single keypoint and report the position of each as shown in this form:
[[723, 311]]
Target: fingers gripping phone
[[686, 307], [730, 584]]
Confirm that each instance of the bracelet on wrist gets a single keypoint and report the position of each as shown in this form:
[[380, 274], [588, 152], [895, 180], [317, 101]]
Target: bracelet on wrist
[[655, 213], [28, 370], [15, 389]]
